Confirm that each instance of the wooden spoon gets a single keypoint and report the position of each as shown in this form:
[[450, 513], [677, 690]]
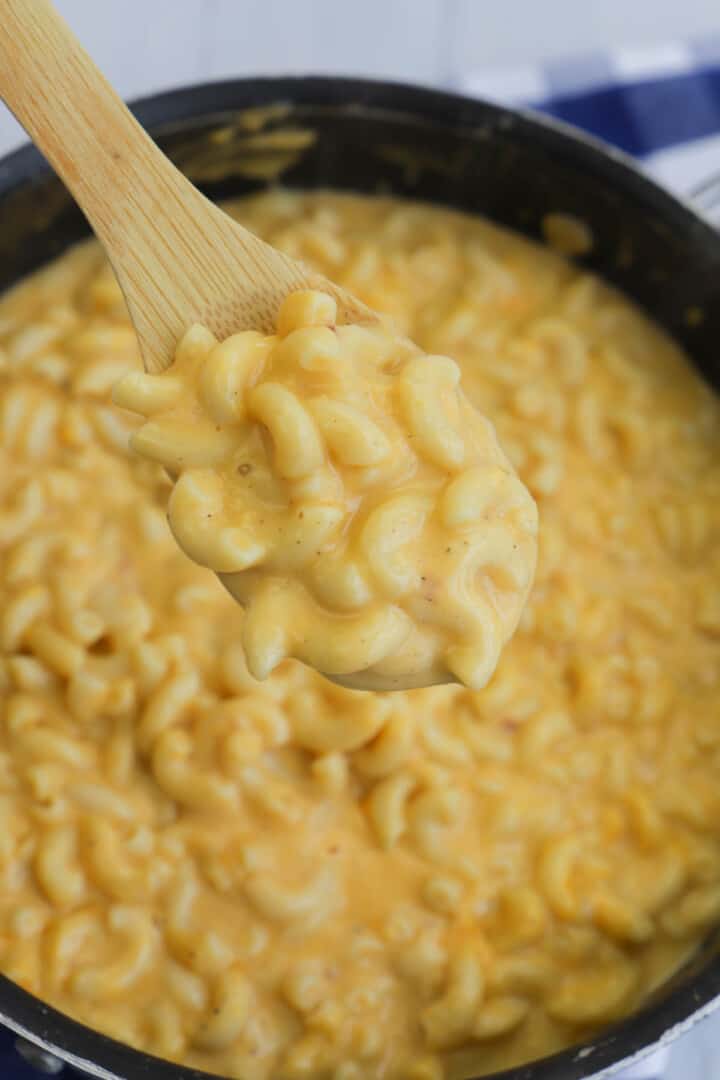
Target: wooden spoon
[[177, 257]]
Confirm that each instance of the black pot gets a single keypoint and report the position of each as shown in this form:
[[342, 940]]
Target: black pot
[[513, 168]]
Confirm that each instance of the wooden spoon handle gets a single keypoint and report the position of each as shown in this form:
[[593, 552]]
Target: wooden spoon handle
[[178, 258], [72, 113]]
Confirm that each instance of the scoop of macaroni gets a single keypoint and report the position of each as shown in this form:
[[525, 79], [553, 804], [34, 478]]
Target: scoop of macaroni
[[347, 493]]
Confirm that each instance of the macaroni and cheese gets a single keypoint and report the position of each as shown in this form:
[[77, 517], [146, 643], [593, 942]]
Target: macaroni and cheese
[[291, 879], [348, 495]]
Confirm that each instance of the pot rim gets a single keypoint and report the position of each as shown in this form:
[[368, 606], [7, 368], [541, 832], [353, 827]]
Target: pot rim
[[654, 1024]]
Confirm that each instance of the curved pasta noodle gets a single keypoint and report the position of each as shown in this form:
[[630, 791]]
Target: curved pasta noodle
[[307, 1055], [20, 613], [303, 906], [166, 705], [696, 910], [621, 920], [187, 988], [498, 1016], [283, 621], [26, 559], [207, 951], [427, 390], [59, 653], [592, 997], [569, 353], [484, 492], [231, 367], [44, 742], [555, 870], [185, 782], [114, 429], [138, 943], [662, 881], [182, 908], [523, 916], [276, 798], [108, 864], [29, 419], [390, 749], [296, 440], [57, 867], [473, 664], [437, 807], [424, 960], [387, 807], [146, 394], [64, 940], [177, 444], [195, 504], [542, 731], [165, 1026], [315, 728], [306, 308], [442, 744], [349, 434], [449, 1020], [25, 510], [101, 799], [391, 526], [307, 529], [332, 772], [524, 973], [24, 711], [233, 998], [434, 815], [444, 894], [305, 986], [340, 583]]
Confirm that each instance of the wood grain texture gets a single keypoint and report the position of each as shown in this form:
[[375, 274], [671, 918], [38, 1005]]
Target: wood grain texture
[[178, 258]]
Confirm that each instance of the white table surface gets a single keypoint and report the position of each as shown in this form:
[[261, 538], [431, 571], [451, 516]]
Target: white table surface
[[148, 45]]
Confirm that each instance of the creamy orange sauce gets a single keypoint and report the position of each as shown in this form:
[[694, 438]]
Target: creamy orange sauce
[[348, 495], [291, 879]]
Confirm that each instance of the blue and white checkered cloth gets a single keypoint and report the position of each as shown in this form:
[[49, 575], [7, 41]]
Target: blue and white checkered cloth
[[660, 104]]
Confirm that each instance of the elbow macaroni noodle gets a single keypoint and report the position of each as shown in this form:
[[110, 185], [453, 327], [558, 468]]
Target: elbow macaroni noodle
[[348, 495], [291, 879]]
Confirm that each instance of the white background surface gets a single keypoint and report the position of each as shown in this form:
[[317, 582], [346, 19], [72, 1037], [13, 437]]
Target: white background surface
[[147, 45]]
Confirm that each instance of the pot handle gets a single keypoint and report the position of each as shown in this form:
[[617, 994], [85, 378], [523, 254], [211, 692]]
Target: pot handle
[[706, 198]]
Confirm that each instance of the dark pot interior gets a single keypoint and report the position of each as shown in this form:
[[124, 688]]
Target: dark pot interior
[[380, 137]]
